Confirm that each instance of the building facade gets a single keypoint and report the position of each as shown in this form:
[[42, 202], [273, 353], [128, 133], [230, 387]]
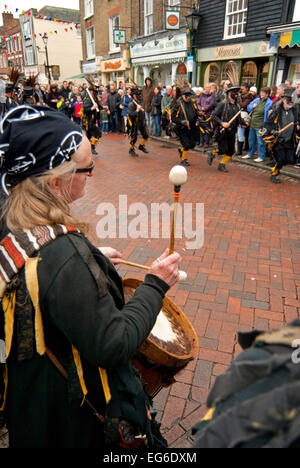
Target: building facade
[[102, 57], [63, 52], [11, 45], [233, 34], [155, 50]]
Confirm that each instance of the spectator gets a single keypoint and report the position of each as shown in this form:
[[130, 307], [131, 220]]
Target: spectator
[[253, 91], [39, 95], [77, 109], [245, 98], [113, 102], [156, 111], [120, 117], [273, 94], [259, 108], [162, 88], [166, 103], [65, 90], [289, 85], [53, 96], [206, 106], [103, 116], [214, 89], [125, 101], [147, 98], [296, 93]]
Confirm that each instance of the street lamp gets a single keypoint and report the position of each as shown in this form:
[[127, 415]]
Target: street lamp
[[193, 19], [45, 41]]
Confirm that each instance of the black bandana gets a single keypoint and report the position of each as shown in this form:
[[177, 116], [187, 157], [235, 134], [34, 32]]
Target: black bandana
[[34, 140]]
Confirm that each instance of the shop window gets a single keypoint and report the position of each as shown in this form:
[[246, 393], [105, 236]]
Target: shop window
[[90, 42], [231, 72], [249, 74], [212, 73], [236, 18]]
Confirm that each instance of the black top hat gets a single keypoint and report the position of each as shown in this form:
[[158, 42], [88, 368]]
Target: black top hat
[[288, 92], [9, 87], [27, 91], [233, 88], [186, 91]]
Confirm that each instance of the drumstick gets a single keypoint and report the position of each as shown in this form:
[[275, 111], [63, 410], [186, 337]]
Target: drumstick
[[177, 177], [182, 274]]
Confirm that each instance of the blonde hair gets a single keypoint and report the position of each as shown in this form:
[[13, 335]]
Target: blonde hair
[[32, 202]]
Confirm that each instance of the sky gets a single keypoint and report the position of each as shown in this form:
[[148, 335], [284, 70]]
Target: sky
[[38, 4]]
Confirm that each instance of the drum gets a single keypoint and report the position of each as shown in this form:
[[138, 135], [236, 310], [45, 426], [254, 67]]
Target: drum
[[172, 344]]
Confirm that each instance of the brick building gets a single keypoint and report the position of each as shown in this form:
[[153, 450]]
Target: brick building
[[154, 50], [12, 48], [101, 56]]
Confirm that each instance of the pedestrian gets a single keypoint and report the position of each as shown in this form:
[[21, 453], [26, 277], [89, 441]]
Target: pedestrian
[[259, 109], [70, 383], [104, 118], [289, 85], [226, 131], [273, 93], [39, 95], [296, 93], [65, 90], [166, 103], [147, 98], [113, 102], [253, 91], [156, 111]]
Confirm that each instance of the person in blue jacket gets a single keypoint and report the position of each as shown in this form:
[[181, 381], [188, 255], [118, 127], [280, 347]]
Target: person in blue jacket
[[125, 101], [259, 109]]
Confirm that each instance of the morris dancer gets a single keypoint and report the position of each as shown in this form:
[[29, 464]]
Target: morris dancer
[[137, 122]]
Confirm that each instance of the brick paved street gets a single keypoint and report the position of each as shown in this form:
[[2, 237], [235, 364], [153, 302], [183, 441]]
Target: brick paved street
[[247, 274]]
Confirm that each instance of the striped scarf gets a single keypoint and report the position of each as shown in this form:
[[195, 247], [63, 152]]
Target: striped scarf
[[15, 249]]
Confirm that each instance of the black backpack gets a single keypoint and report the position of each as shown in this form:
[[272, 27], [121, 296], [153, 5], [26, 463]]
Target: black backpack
[[256, 403]]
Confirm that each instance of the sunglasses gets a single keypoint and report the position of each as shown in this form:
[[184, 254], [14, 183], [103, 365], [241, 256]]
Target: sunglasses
[[86, 169]]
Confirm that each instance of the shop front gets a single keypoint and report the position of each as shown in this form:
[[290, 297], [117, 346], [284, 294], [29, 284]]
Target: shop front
[[163, 58], [116, 69], [287, 38], [252, 63]]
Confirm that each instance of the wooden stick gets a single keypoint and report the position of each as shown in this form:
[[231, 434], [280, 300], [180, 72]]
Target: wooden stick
[[174, 218], [136, 265], [92, 99], [235, 117]]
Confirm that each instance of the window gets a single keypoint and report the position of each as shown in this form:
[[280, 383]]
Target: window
[[236, 18], [212, 73], [148, 17], [29, 55], [249, 73], [174, 3], [90, 42], [27, 29], [114, 23], [88, 8]]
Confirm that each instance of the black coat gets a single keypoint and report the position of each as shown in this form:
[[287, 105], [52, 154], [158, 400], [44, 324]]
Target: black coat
[[82, 304]]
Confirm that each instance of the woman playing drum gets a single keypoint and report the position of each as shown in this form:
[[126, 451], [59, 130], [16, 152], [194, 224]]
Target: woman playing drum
[[69, 335]]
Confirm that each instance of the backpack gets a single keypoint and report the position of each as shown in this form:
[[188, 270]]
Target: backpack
[[256, 403]]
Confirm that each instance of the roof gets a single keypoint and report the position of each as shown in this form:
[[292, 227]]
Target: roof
[[282, 28], [63, 14]]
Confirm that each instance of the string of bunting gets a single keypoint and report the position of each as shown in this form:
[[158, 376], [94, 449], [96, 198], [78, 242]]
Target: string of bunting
[[41, 17]]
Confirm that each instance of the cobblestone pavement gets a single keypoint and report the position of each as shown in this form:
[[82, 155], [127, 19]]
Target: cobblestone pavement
[[246, 275]]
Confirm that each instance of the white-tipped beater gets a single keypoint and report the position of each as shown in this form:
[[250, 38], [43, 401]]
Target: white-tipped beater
[[178, 176], [182, 276]]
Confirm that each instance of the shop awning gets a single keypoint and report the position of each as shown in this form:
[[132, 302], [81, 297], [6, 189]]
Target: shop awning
[[76, 77], [289, 34]]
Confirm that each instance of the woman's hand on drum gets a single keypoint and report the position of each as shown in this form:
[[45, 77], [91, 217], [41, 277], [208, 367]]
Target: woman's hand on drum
[[166, 268], [114, 256]]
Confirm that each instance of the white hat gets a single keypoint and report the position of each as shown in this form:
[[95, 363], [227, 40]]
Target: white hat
[[254, 89]]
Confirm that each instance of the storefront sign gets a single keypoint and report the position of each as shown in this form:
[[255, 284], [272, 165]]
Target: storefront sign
[[172, 19], [89, 67], [112, 65], [190, 64], [229, 52], [160, 46]]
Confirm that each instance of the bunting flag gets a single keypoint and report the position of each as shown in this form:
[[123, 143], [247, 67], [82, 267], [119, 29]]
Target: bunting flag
[[37, 15]]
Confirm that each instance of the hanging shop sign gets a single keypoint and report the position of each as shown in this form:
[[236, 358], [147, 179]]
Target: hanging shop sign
[[229, 52], [119, 36], [172, 19]]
